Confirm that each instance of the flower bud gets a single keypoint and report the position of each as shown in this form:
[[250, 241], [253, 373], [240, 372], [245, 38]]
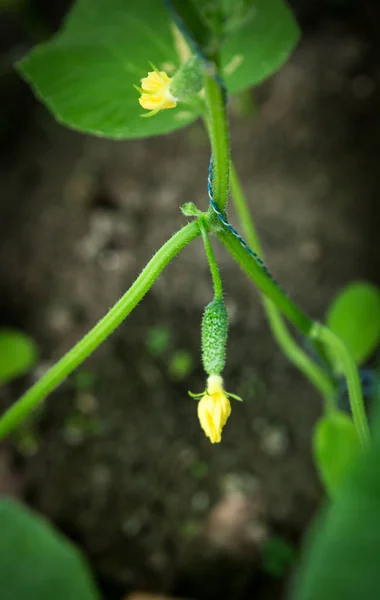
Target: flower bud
[[188, 81], [214, 408]]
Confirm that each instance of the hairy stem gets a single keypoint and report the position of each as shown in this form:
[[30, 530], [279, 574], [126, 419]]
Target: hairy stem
[[216, 279], [74, 357], [264, 282], [217, 125]]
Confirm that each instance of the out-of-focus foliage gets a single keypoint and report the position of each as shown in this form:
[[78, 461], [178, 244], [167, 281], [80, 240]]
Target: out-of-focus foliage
[[38, 563], [336, 446], [277, 556], [354, 315], [18, 354], [341, 558]]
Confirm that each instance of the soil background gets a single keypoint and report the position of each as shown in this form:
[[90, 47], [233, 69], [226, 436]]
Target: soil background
[[115, 457]]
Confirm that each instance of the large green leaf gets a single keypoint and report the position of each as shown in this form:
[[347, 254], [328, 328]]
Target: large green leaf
[[341, 558], [18, 353], [36, 562], [261, 45], [336, 447], [86, 73], [355, 316]]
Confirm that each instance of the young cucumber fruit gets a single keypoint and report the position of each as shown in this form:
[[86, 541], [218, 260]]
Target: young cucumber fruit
[[214, 337]]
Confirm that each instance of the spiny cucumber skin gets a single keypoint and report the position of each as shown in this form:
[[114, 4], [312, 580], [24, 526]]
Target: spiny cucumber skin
[[214, 337]]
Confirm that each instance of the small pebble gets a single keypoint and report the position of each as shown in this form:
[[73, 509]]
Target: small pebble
[[86, 402], [73, 435], [274, 440], [310, 251]]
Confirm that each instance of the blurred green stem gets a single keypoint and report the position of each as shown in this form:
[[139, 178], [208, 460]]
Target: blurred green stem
[[288, 345], [328, 337], [116, 315]]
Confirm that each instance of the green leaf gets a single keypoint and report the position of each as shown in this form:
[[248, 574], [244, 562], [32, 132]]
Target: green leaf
[[36, 562], [18, 354], [158, 340], [86, 73], [180, 365], [277, 556], [213, 14], [354, 315], [262, 44], [221, 17], [336, 447], [191, 16], [341, 557]]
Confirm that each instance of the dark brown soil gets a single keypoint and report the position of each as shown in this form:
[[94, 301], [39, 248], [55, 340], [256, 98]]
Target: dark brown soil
[[116, 457]]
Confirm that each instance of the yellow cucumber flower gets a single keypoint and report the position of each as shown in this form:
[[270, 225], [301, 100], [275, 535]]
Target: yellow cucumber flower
[[214, 408], [155, 94]]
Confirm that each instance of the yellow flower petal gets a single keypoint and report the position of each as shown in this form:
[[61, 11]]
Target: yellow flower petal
[[151, 101], [155, 81], [214, 408], [155, 92]]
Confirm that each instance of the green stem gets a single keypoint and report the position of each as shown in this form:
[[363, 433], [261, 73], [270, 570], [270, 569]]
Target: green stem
[[243, 213], [21, 409], [216, 279], [217, 124], [328, 337], [298, 357], [216, 120], [277, 324], [264, 282]]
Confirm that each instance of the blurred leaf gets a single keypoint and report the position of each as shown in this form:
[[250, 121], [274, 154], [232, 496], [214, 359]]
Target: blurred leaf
[[158, 340], [277, 556], [26, 440], [354, 315], [336, 446], [222, 17], [264, 41], [18, 354], [86, 73], [199, 469], [38, 563], [180, 365], [213, 14], [191, 17], [235, 13], [84, 379], [341, 557]]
